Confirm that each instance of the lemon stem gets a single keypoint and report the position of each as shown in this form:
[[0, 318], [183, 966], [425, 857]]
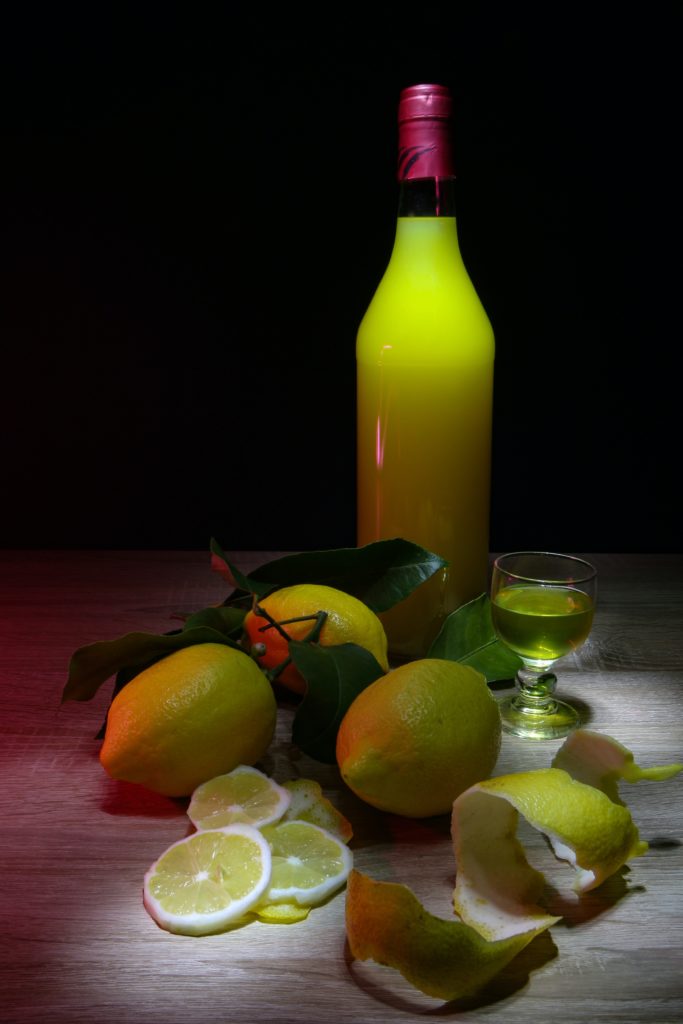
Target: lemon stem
[[310, 638], [272, 623], [314, 634]]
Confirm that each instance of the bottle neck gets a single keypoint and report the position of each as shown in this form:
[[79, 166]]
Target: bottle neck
[[426, 247], [427, 197], [425, 156]]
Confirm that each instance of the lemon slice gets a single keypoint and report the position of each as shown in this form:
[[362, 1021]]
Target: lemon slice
[[243, 795], [496, 889], [445, 959], [203, 883], [309, 804], [309, 863], [601, 761], [282, 913]]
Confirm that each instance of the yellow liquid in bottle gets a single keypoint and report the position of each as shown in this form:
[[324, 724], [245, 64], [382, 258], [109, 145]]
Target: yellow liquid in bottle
[[425, 380]]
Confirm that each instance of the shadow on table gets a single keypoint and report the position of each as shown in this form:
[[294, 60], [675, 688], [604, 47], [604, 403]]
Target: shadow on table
[[583, 709], [128, 799], [380, 982], [577, 910]]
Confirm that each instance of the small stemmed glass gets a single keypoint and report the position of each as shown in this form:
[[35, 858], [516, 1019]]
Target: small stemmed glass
[[542, 608]]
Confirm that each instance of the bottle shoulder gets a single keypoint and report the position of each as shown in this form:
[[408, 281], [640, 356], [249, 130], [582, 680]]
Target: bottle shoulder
[[425, 306], [414, 317]]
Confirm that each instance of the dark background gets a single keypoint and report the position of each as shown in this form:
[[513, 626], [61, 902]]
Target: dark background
[[198, 214]]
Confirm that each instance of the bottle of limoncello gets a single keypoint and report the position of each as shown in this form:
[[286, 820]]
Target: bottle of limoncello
[[424, 354]]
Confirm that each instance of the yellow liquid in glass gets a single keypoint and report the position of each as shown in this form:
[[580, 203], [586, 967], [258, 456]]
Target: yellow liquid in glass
[[425, 380], [542, 624]]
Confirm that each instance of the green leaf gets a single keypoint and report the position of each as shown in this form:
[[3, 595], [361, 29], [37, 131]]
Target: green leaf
[[468, 636], [92, 665], [380, 574], [238, 579], [224, 620], [334, 676]]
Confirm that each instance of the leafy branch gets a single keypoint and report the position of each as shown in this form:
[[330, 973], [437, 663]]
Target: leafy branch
[[380, 574]]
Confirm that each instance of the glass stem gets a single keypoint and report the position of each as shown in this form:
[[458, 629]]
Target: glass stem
[[536, 687]]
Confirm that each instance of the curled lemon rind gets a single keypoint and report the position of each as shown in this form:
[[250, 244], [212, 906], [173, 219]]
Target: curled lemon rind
[[307, 803], [601, 761], [496, 889], [448, 960]]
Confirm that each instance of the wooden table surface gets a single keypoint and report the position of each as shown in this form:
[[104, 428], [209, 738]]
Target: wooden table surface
[[77, 945]]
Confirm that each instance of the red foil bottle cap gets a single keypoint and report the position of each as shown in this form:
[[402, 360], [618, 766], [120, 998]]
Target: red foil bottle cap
[[424, 101], [424, 145]]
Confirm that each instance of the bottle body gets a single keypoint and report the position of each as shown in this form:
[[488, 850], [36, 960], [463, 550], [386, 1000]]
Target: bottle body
[[425, 353]]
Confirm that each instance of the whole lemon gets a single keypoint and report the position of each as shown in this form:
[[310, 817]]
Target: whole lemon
[[294, 609], [416, 738], [193, 715]]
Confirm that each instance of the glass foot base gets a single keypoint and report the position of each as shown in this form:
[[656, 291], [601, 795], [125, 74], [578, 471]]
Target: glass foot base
[[536, 724]]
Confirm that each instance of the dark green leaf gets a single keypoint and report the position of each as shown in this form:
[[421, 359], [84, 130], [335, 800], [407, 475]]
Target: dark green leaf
[[334, 677], [92, 665], [244, 584], [224, 620], [380, 574], [468, 636]]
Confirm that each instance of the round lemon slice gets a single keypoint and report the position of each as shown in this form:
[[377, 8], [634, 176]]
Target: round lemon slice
[[205, 882], [601, 761], [309, 863], [244, 795]]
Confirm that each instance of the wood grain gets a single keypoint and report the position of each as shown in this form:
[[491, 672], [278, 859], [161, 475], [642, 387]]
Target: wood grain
[[76, 945]]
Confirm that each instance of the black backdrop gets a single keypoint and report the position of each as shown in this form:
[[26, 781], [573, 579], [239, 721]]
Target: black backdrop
[[197, 217]]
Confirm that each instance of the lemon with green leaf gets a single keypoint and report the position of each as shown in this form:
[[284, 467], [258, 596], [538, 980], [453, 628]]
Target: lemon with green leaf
[[195, 714], [310, 610]]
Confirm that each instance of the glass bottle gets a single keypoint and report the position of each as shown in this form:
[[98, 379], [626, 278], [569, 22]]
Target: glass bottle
[[424, 353]]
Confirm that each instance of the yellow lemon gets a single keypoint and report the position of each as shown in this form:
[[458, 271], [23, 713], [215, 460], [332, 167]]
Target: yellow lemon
[[416, 738], [294, 611], [195, 714]]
